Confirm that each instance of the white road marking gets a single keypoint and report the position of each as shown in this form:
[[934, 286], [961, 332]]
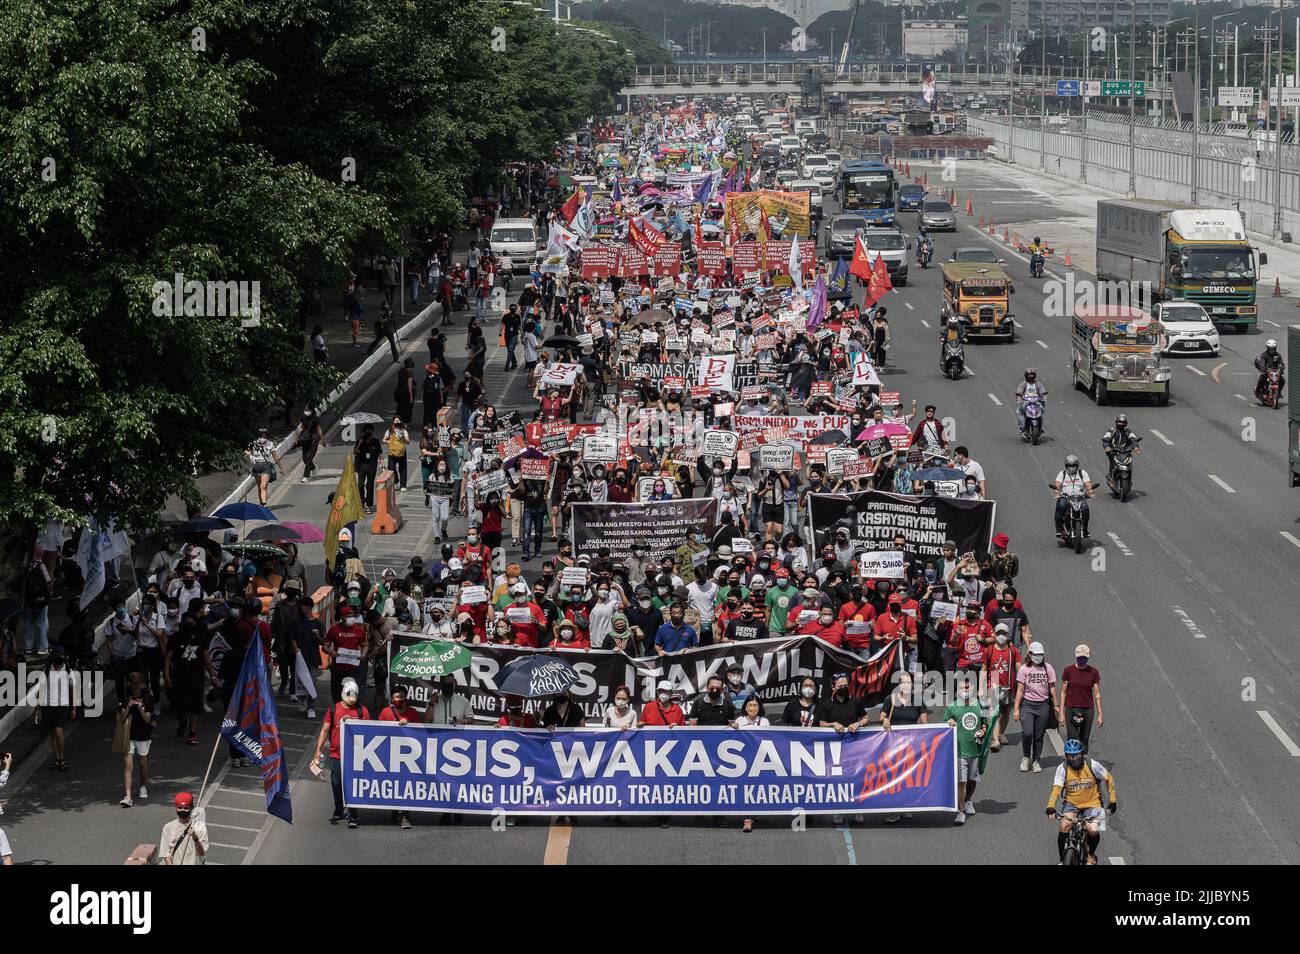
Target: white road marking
[[1116, 860], [1042, 344], [1221, 484], [1119, 543], [222, 844], [1290, 536], [1273, 323], [1054, 736], [994, 398], [1243, 397], [1187, 621], [924, 322], [1195, 370], [1278, 731], [909, 306], [232, 827], [226, 808], [1162, 437]]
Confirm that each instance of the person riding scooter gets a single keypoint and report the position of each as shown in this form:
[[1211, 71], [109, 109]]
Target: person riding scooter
[[1119, 438], [1070, 481], [952, 335], [924, 249], [1269, 360], [1026, 391], [1037, 252]]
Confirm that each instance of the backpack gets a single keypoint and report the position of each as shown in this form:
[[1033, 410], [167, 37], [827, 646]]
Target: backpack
[[36, 589]]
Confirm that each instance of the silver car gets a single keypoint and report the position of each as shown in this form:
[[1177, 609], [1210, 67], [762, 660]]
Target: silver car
[[839, 237], [937, 215]]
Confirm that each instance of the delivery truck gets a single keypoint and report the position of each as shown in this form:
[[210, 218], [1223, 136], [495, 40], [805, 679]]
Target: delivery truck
[[1171, 252]]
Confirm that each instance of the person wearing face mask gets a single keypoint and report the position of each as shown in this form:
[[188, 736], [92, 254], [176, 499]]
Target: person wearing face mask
[[825, 627], [894, 623], [437, 625], [737, 689], [746, 626], [347, 646], [808, 604], [714, 707], [1080, 697], [663, 710], [1001, 662], [621, 714], [563, 713], [1034, 706], [447, 706], [779, 600], [716, 475], [675, 635], [701, 601], [569, 635], [346, 706], [476, 556], [842, 712], [801, 711], [1076, 790], [967, 638], [693, 556], [971, 722], [622, 637], [1008, 609], [608, 602]]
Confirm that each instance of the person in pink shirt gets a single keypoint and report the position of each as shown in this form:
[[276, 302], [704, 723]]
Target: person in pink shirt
[[1034, 706]]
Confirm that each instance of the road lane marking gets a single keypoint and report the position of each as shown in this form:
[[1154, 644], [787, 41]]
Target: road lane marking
[[1054, 736], [1243, 397], [909, 306], [1221, 484], [222, 844], [1195, 370], [1119, 543], [848, 845], [1162, 437], [1042, 344], [994, 398], [1278, 731], [1273, 323], [232, 827], [227, 808], [1187, 621], [924, 322], [1290, 536], [1214, 373], [1115, 860], [557, 844]]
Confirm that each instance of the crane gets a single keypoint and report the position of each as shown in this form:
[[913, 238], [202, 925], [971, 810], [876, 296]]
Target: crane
[[848, 39]]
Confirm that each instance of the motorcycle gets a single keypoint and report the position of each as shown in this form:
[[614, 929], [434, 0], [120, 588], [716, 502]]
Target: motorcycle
[[1120, 478], [1074, 535], [460, 296], [1269, 390], [1036, 265], [924, 252], [1033, 421], [954, 359]]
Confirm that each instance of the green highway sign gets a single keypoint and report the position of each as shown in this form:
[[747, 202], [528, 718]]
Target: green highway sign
[[1122, 88]]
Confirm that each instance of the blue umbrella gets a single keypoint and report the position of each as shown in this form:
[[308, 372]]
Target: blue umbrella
[[535, 675], [244, 510], [938, 473], [203, 525]]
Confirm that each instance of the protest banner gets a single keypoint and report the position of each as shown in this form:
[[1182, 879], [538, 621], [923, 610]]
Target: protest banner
[[858, 468], [535, 468], [800, 429], [600, 448], [491, 481], [559, 375], [649, 772], [661, 525], [719, 443], [882, 565], [872, 517], [776, 456], [837, 457], [715, 372]]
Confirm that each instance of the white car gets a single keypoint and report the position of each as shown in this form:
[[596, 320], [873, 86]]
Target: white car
[[1187, 327], [818, 167], [790, 145]]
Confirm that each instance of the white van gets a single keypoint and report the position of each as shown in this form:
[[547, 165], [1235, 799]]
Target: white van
[[518, 239]]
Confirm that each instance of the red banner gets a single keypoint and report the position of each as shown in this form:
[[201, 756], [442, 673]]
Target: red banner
[[644, 236], [599, 261], [747, 257], [711, 258]]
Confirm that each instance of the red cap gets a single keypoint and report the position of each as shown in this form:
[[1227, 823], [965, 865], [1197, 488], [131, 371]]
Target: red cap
[[896, 598], [184, 800], [782, 573], [1001, 540]]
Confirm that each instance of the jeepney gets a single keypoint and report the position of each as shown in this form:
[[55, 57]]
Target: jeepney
[[979, 294], [1116, 349]]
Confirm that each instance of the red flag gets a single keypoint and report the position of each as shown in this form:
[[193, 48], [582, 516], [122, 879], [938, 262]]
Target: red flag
[[881, 275], [570, 208], [764, 227], [644, 237], [861, 264]]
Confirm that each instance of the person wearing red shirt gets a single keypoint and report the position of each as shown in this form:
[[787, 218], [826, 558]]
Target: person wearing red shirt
[[967, 638], [515, 716], [398, 711], [478, 615], [663, 710], [345, 708], [526, 617], [570, 636], [893, 624], [1001, 663], [553, 406], [476, 556], [825, 627], [346, 644]]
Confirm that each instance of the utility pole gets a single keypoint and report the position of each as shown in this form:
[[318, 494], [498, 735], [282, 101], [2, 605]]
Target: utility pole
[[1196, 109], [1042, 95], [1083, 93], [1132, 99], [1277, 133]]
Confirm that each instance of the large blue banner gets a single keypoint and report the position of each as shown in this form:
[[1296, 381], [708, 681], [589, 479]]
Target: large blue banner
[[680, 771]]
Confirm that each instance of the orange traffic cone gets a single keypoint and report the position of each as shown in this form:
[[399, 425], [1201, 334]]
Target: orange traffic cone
[[969, 210], [1015, 242], [907, 168], [991, 223], [981, 221], [991, 232], [1067, 258], [1277, 288], [1006, 240]]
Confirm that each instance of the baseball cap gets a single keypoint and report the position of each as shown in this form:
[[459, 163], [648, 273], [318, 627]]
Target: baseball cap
[[895, 598], [184, 801], [1036, 649], [665, 685], [519, 587], [354, 585], [1002, 628], [1082, 650], [455, 563], [757, 580], [464, 618], [349, 689]]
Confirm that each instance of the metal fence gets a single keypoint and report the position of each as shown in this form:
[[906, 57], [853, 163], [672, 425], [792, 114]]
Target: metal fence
[[1233, 172]]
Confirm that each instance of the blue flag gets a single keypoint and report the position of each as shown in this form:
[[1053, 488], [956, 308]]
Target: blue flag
[[252, 726], [840, 277]]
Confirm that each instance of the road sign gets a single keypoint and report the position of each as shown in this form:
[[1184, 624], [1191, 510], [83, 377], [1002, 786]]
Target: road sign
[[1092, 88], [1290, 96], [1122, 88], [1067, 87], [1236, 96]]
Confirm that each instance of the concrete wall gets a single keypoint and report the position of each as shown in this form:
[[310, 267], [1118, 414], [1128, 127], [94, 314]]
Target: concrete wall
[[1232, 173]]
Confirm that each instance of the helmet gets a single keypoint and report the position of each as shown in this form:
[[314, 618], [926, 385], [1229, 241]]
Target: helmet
[[1073, 747], [1030, 373], [952, 321], [1121, 420], [1037, 240], [1071, 462], [1271, 344]]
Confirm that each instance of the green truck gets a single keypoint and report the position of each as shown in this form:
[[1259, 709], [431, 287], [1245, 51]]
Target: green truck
[[1170, 252]]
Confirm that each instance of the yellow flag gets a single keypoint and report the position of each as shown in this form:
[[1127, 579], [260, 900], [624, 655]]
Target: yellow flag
[[345, 509]]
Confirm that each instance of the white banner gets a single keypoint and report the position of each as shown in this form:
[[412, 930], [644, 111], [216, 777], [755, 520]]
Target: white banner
[[716, 372], [881, 565]]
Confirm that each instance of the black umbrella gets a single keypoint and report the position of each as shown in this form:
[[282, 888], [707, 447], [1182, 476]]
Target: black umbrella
[[833, 436], [203, 525], [536, 675], [274, 533], [561, 341]]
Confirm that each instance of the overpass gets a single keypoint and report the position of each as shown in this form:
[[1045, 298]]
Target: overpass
[[896, 78]]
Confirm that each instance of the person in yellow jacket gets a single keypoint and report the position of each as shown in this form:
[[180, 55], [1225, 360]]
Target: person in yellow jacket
[[1077, 784]]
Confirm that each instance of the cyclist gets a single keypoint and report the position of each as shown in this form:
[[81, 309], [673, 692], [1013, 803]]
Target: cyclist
[[1077, 784]]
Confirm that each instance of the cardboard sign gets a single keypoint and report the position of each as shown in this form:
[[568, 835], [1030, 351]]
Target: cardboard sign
[[890, 399], [741, 545], [559, 375], [864, 372], [573, 576], [882, 565], [879, 447], [490, 481], [534, 468], [753, 392], [837, 457], [720, 443], [854, 469], [776, 456], [723, 410], [511, 448], [715, 372], [645, 487], [942, 610], [473, 594], [600, 448], [586, 341], [820, 389], [649, 337]]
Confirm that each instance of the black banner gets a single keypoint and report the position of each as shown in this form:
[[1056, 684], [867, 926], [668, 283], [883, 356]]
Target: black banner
[[662, 525], [872, 517], [775, 667]]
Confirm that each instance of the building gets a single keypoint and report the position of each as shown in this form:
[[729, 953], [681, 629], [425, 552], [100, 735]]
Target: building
[[934, 39], [1110, 14]]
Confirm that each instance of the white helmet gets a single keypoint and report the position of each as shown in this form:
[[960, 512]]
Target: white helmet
[[1271, 344]]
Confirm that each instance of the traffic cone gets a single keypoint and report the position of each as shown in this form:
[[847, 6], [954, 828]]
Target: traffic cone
[[1067, 258], [907, 168], [1277, 288], [969, 210], [926, 180], [1005, 238], [991, 232], [981, 221]]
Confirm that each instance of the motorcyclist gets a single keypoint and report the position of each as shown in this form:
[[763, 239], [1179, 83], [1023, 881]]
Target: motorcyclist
[[1071, 479], [924, 247], [1076, 788], [954, 333], [1119, 438], [1037, 250], [1028, 390], [1269, 360]]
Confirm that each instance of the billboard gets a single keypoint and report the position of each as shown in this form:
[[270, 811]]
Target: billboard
[[931, 39]]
